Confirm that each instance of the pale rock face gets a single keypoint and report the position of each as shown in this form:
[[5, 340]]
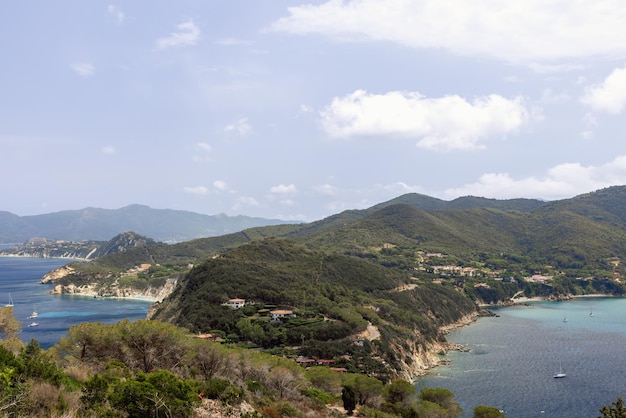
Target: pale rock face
[[54, 275], [112, 291], [424, 358]]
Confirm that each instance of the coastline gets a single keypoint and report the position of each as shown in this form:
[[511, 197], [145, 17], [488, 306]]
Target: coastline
[[522, 300], [484, 312], [60, 257], [95, 295]]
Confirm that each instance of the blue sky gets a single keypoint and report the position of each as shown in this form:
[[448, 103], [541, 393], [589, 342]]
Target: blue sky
[[294, 110]]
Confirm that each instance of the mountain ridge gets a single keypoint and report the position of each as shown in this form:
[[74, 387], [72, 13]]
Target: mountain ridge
[[97, 224]]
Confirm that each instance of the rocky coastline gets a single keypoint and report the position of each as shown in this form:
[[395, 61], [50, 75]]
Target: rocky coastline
[[95, 289]]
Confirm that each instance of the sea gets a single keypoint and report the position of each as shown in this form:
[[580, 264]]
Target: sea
[[20, 283], [512, 358]]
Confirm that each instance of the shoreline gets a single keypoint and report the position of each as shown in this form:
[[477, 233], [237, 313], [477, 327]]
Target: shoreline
[[92, 295], [44, 258], [522, 300], [484, 312]]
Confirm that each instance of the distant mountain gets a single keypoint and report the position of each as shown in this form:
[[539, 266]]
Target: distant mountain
[[165, 225], [585, 229]]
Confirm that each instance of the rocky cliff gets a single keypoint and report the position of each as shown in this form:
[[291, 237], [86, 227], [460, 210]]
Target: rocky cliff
[[96, 290]]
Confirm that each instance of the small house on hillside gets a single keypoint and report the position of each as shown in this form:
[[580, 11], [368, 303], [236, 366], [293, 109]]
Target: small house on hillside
[[279, 314], [236, 303]]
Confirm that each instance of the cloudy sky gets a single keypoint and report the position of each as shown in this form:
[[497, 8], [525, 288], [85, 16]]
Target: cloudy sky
[[298, 110]]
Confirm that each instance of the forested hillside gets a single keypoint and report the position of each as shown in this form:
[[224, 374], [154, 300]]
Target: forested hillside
[[401, 268], [332, 297]]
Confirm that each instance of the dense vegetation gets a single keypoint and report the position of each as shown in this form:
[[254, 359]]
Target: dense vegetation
[[333, 299], [153, 369]]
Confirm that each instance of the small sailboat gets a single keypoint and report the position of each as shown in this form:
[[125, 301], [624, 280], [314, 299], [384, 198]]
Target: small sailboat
[[10, 304], [34, 314], [591, 311], [560, 374]]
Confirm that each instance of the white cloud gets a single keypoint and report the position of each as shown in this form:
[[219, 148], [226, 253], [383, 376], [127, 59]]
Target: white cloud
[[197, 190], [241, 127], [326, 189], [284, 189], [561, 181], [532, 31], [449, 122], [116, 14], [188, 34], [84, 69], [610, 95], [203, 152], [221, 186], [108, 150]]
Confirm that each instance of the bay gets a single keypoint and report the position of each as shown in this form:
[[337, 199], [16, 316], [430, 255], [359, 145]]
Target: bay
[[19, 281], [513, 358]]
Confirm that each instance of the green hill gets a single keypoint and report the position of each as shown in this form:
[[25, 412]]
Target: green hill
[[405, 269]]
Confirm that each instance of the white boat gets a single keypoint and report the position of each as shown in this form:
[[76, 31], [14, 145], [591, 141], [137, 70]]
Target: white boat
[[560, 374], [33, 324], [34, 314], [10, 302]]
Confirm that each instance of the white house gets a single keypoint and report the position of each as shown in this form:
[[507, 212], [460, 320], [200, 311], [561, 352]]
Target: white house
[[236, 303], [279, 314]]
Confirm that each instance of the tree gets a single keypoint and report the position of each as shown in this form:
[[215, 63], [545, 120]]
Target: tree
[[151, 345], [617, 410], [208, 358], [443, 398], [349, 399], [367, 390], [158, 394], [9, 326], [89, 341], [94, 392], [482, 411], [325, 379], [283, 379], [399, 392]]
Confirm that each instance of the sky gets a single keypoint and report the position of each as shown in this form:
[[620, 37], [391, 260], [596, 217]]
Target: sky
[[298, 110]]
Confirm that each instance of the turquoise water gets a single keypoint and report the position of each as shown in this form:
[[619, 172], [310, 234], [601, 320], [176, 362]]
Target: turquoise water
[[513, 359], [19, 281]]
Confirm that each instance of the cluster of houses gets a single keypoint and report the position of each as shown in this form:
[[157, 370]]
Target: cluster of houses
[[276, 315]]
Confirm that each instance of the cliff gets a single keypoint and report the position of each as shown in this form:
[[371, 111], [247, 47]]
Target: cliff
[[153, 294], [122, 285]]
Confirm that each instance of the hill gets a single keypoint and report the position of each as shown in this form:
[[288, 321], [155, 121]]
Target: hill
[[96, 224], [329, 300], [407, 271]]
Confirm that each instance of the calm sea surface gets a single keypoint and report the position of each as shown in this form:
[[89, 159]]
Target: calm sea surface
[[19, 281], [513, 359]]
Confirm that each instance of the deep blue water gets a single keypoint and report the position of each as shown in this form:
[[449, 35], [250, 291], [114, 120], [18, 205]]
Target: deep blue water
[[513, 359], [19, 280]]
